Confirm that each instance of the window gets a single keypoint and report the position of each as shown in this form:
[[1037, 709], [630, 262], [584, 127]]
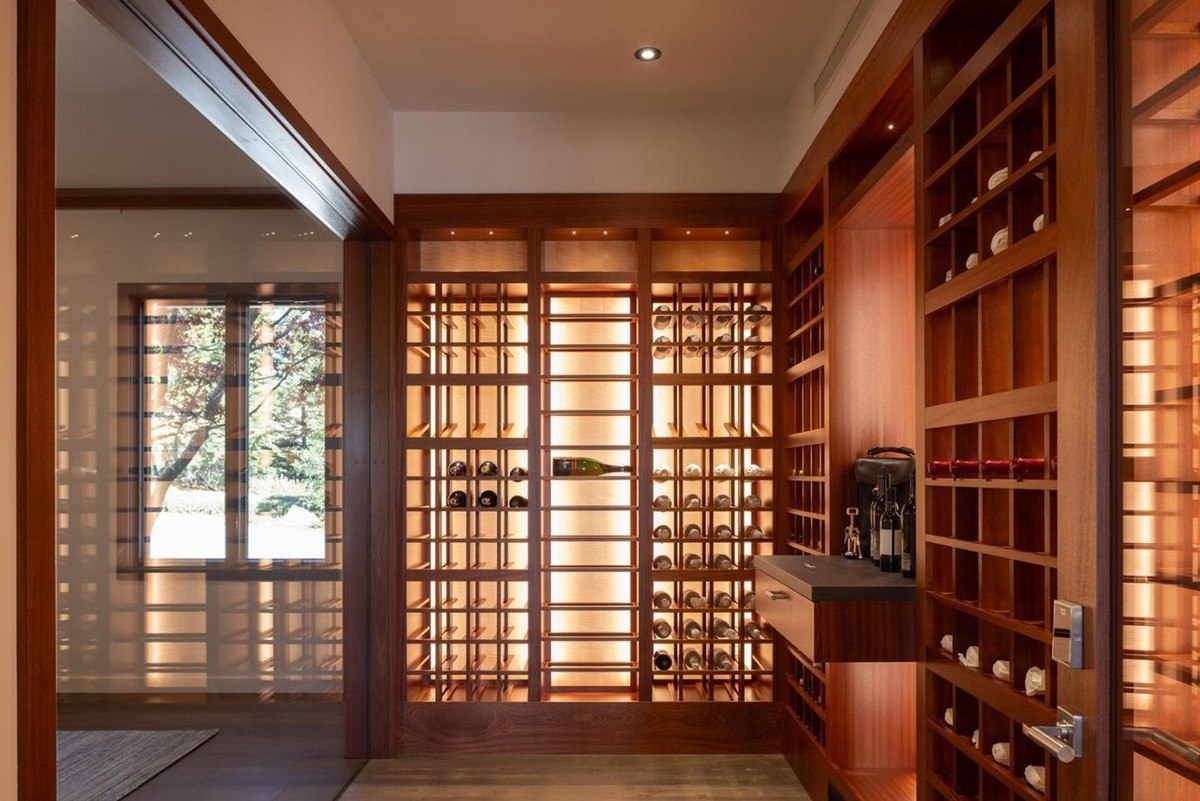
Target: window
[[233, 428]]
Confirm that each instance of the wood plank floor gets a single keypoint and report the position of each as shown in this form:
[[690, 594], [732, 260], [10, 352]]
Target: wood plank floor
[[277, 751], [577, 778]]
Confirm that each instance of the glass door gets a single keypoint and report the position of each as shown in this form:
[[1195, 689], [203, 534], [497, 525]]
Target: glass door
[[1158, 141]]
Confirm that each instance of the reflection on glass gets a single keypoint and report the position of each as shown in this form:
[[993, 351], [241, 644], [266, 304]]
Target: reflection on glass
[[183, 385], [286, 436]]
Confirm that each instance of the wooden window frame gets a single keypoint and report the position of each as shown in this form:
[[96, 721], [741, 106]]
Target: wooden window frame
[[237, 298]]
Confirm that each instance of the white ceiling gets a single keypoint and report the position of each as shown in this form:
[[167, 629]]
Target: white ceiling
[[572, 55], [120, 125]]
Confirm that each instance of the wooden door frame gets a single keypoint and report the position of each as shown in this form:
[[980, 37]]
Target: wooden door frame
[[195, 53]]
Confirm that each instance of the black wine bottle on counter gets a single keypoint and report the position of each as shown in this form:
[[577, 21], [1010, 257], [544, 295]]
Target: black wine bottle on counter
[[908, 552], [890, 534], [457, 500], [488, 499]]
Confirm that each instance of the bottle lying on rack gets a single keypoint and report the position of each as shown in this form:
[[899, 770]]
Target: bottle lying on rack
[[693, 561], [489, 499], [662, 348], [663, 600], [662, 532], [723, 661], [722, 501], [457, 469], [692, 630], [583, 466], [662, 502], [518, 502], [662, 562], [518, 473], [748, 600], [753, 532], [721, 630], [693, 532], [752, 631], [488, 468], [692, 501], [661, 627], [723, 562], [722, 532], [722, 600], [457, 500], [692, 660], [694, 600], [663, 660], [662, 317], [752, 502]]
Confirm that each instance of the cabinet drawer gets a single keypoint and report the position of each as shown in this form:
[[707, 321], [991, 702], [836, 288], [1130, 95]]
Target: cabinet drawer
[[789, 613]]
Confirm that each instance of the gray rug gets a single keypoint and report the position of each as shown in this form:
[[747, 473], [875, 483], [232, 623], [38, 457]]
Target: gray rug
[[105, 765]]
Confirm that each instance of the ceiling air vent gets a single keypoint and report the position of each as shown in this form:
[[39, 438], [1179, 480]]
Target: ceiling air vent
[[853, 27]]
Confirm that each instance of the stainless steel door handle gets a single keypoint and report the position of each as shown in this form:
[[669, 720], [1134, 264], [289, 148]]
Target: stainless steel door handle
[[777, 595], [1064, 739], [1163, 739]]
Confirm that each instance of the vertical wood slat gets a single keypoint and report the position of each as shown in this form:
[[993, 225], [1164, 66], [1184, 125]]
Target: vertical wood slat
[[35, 446], [645, 467], [534, 548]]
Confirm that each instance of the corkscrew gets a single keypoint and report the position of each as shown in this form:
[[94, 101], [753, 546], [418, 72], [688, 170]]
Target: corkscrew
[[852, 544]]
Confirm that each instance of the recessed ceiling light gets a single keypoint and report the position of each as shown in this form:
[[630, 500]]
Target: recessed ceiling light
[[689, 233], [891, 126], [452, 233], [606, 233], [491, 233], [726, 233], [647, 54], [573, 233]]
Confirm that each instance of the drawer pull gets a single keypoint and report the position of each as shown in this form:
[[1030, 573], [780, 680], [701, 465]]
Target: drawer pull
[[777, 595]]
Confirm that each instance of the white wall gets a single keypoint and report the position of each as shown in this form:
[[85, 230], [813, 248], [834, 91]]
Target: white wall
[[115, 639], [440, 152], [803, 117], [8, 380], [305, 49]]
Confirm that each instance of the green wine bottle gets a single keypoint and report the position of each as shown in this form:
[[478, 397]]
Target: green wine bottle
[[582, 466]]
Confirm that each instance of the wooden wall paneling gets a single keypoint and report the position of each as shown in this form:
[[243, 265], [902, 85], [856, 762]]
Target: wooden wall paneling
[[1085, 371], [36, 451], [565, 727], [237, 197], [874, 707], [186, 43]]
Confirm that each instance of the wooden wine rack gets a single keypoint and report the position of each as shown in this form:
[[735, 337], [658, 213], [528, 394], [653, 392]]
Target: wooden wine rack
[[987, 548], [523, 345]]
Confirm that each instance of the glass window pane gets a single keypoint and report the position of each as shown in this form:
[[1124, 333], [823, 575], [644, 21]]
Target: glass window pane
[[183, 424], [287, 416]]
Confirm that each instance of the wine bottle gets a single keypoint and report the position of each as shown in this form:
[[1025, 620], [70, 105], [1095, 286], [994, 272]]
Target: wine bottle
[[488, 468], [692, 660], [724, 345], [723, 471], [693, 470], [693, 532], [662, 347], [1024, 467], [662, 317], [753, 345], [691, 317], [723, 562], [694, 600], [518, 502], [878, 498], [748, 600], [692, 347], [583, 466], [889, 534], [662, 562], [723, 318], [457, 500], [692, 630], [662, 532], [518, 473], [662, 628], [662, 502], [722, 660], [752, 631], [722, 501], [755, 314], [721, 630], [722, 532], [752, 501], [663, 660], [908, 555], [661, 473], [753, 532], [692, 501], [488, 499], [457, 469], [722, 600], [748, 561], [754, 471], [663, 600], [693, 561]]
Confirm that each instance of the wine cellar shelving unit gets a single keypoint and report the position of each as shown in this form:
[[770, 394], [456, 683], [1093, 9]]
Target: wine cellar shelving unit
[[987, 547], [526, 345], [1159, 115]]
